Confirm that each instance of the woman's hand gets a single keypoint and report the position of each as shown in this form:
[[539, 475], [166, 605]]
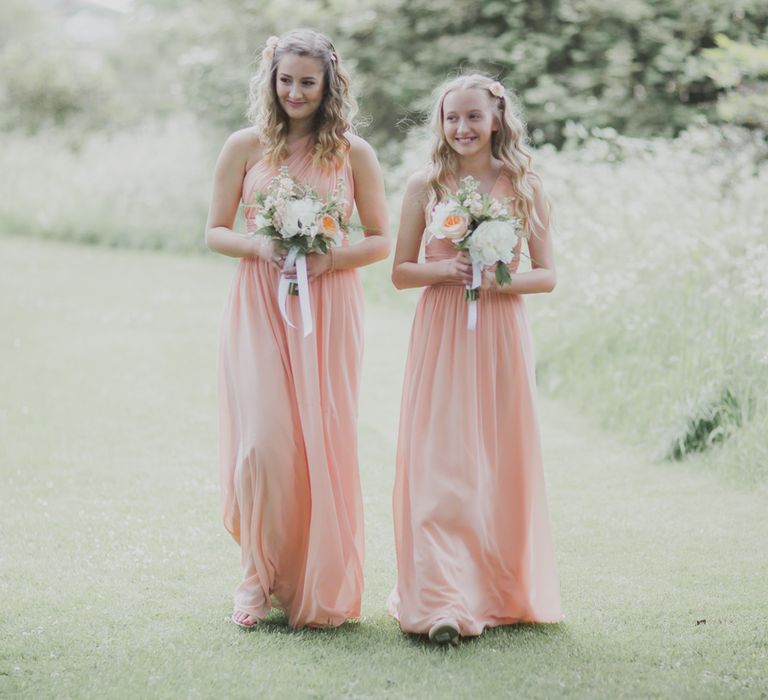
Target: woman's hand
[[264, 247], [317, 265], [457, 270]]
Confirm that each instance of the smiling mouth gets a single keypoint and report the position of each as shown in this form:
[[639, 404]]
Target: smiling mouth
[[466, 139], [294, 104]]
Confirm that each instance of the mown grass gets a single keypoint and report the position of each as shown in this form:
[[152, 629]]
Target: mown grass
[[116, 575]]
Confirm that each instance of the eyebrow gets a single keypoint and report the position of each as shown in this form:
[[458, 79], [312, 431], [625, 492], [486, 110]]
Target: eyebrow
[[306, 77]]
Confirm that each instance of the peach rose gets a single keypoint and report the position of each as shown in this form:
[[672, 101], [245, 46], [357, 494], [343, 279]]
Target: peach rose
[[327, 226], [448, 221]]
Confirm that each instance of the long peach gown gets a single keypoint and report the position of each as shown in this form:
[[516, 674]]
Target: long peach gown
[[471, 521], [288, 419]]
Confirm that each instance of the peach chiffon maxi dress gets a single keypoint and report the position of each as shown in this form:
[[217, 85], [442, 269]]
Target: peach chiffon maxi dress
[[471, 521], [288, 430]]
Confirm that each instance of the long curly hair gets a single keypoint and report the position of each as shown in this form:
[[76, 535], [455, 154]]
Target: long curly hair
[[509, 145], [334, 116]]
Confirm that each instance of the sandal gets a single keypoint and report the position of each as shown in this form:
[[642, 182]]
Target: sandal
[[244, 625]]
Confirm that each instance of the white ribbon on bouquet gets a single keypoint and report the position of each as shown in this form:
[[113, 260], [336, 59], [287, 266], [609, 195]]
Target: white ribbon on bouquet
[[297, 257], [472, 303]]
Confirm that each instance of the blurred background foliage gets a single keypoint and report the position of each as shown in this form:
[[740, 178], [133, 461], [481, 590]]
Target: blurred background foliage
[[643, 67], [649, 120]]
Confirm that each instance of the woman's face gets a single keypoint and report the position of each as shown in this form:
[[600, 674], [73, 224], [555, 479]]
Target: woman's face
[[299, 85], [468, 120]]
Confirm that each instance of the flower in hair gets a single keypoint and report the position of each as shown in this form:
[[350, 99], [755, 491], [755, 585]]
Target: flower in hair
[[497, 89], [334, 57], [269, 50]]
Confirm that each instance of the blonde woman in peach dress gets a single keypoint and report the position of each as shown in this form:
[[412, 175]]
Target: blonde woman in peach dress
[[471, 523], [288, 403]]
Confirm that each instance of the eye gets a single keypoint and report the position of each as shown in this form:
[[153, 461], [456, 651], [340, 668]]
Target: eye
[[285, 80], [308, 83]]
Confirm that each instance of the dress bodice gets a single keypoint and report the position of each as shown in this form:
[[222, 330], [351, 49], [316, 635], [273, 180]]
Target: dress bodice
[[302, 169]]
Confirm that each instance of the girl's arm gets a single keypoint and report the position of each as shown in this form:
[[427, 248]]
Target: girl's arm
[[372, 209], [542, 278], [406, 270], [225, 199]]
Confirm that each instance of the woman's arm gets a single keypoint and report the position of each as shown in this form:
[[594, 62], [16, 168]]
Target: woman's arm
[[407, 272], [372, 209], [225, 199], [542, 276]]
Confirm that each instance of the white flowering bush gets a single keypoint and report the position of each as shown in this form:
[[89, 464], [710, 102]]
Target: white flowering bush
[[659, 322]]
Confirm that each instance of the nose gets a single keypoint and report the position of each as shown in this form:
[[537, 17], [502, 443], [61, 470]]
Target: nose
[[294, 91]]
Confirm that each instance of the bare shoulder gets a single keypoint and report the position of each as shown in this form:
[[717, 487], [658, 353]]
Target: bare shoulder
[[534, 180], [244, 146], [418, 183], [361, 152]]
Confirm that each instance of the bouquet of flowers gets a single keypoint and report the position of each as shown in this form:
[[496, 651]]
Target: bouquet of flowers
[[484, 228], [294, 216]]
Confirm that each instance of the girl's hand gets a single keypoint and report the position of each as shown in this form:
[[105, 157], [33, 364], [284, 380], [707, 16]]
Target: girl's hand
[[488, 281], [457, 270]]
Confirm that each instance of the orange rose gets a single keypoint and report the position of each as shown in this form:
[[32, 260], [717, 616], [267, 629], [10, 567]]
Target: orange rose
[[327, 226]]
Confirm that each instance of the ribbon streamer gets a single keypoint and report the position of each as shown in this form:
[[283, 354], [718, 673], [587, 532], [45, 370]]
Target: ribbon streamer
[[294, 256], [472, 308]]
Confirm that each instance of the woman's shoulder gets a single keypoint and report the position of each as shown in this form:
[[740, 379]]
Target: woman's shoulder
[[360, 151], [245, 144]]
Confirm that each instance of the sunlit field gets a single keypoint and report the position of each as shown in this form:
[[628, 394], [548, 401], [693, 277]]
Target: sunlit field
[[658, 325]]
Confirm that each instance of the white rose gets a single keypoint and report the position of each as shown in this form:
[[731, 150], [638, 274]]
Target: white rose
[[493, 241], [299, 218], [448, 221]]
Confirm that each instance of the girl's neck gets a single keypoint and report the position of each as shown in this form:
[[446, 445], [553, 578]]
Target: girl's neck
[[479, 166]]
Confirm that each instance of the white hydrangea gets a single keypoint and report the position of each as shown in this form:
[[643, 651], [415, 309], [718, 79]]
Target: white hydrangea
[[300, 218], [493, 241]]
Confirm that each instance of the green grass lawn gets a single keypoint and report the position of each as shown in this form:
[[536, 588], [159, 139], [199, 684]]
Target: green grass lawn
[[116, 574]]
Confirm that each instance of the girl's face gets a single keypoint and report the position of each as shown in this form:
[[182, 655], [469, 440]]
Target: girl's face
[[468, 120], [299, 85]]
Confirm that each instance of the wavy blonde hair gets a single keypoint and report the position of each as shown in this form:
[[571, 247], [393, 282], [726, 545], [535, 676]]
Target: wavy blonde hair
[[509, 145], [334, 115]]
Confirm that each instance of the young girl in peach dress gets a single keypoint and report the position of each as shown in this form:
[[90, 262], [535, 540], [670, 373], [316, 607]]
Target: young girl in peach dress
[[471, 523], [288, 401]]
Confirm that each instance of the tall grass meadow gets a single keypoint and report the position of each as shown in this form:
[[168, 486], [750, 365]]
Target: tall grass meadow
[[659, 323], [144, 187]]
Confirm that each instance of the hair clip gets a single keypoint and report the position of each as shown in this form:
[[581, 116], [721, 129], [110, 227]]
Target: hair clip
[[334, 57], [496, 89], [269, 50]]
